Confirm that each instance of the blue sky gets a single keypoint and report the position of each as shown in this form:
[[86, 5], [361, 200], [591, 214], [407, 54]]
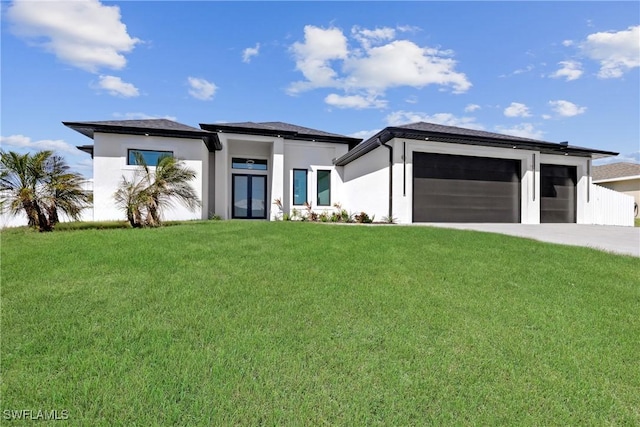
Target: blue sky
[[556, 71]]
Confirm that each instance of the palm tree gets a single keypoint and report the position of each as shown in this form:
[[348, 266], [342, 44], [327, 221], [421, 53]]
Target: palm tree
[[63, 190], [130, 197], [40, 185], [149, 192]]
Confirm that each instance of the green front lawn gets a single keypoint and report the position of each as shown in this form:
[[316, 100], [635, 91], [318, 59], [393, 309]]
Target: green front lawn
[[258, 323]]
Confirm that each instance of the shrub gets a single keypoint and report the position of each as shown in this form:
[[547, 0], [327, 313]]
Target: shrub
[[363, 218]]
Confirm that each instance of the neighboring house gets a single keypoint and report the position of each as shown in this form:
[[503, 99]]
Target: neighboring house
[[621, 177], [419, 172]]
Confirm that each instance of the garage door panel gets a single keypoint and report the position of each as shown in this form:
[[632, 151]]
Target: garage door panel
[[557, 193], [467, 215], [449, 188], [475, 195]]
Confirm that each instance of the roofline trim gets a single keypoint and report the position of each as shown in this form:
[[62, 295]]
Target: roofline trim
[[389, 133], [622, 178], [136, 130], [210, 139], [215, 128]]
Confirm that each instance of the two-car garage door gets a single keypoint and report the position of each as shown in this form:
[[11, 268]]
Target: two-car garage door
[[450, 188]]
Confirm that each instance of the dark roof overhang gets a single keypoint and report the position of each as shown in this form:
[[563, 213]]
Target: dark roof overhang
[[220, 128], [390, 133], [89, 129], [86, 148]]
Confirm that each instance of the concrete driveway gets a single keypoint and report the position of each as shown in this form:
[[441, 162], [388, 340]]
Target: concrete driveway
[[620, 240]]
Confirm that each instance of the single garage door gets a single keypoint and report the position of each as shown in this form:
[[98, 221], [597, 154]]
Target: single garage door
[[448, 188], [557, 193]]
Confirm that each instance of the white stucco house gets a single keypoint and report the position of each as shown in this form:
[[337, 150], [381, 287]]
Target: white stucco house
[[419, 172]]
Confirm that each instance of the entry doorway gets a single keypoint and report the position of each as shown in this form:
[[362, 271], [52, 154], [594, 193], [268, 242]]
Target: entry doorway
[[249, 196]]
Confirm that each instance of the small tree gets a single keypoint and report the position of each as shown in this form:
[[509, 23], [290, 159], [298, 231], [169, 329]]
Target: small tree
[[40, 185], [149, 192]]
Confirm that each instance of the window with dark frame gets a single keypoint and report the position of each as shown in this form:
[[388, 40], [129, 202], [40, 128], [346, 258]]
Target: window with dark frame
[[150, 157], [324, 187], [299, 186]]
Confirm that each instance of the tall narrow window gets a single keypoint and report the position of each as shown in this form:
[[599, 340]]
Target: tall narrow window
[[299, 186], [324, 188]]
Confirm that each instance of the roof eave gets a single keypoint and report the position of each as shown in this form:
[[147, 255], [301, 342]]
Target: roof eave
[[280, 134], [90, 131], [86, 148], [544, 147], [621, 178]]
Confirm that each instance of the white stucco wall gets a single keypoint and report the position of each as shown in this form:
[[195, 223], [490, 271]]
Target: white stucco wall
[[366, 184], [110, 165], [312, 156]]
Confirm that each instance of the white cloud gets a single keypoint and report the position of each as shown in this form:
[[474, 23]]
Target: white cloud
[[364, 134], [523, 130], [21, 142], [201, 89], [85, 34], [567, 43], [517, 109], [250, 52], [629, 158], [408, 28], [411, 100], [381, 63], [527, 69], [470, 108], [370, 37], [398, 118], [313, 57], [566, 109], [524, 70], [85, 164], [403, 63], [357, 102], [570, 70], [617, 52], [116, 87], [141, 116]]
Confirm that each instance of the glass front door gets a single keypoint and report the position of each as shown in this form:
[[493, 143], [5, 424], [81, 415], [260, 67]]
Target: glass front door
[[249, 196]]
